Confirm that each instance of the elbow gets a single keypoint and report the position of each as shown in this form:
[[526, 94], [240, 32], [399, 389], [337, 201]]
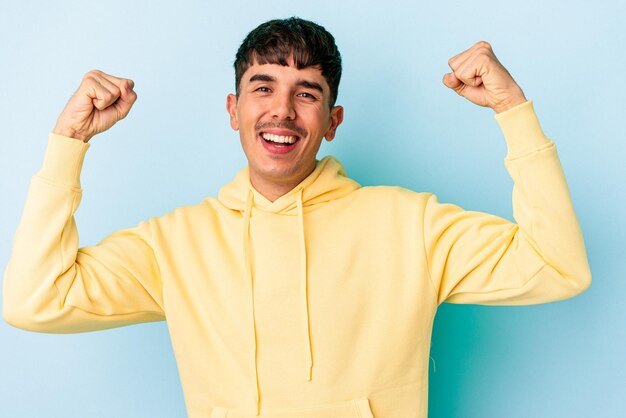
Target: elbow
[[14, 310], [28, 321], [9, 310], [18, 318], [13, 318], [578, 283], [584, 282], [560, 285], [21, 313], [30, 307]]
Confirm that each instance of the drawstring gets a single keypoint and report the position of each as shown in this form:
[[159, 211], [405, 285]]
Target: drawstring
[[304, 282], [248, 263], [305, 303]]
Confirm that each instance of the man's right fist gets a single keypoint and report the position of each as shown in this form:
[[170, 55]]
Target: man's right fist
[[100, 101]]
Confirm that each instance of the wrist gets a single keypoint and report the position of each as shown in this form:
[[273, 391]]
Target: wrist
[[63, 160], [510, 103], [70, 133], [521, 129]]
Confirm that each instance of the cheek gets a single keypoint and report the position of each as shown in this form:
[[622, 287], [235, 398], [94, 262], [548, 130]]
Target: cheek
[[325, 124], [317, 118], [249, 116]]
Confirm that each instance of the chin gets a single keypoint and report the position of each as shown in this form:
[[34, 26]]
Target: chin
[[280, 171]]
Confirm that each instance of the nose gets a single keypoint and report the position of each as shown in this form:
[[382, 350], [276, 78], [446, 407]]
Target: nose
[[283, 107]]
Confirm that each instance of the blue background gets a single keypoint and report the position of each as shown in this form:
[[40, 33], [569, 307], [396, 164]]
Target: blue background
[[402, 127]]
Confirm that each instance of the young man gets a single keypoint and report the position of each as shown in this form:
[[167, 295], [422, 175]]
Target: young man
[[296, 293]]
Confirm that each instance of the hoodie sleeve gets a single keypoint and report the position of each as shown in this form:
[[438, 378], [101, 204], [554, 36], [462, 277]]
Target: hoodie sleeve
[[484, 259], [50, 285]]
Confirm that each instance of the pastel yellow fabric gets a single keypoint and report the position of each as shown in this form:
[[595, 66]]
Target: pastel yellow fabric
[[320, 304]]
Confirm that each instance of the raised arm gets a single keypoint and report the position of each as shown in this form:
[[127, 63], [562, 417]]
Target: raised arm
[[50, 285], [484, 259]]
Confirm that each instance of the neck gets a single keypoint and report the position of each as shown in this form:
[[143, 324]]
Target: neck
[[272, 193]]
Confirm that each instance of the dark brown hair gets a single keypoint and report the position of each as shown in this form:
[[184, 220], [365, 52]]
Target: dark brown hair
[[276, 41]]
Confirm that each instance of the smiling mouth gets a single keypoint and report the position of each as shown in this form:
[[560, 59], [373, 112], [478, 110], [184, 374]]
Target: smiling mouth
[[279, 140]]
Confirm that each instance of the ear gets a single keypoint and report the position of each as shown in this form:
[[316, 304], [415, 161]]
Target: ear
[[336, 117], [231, 108]]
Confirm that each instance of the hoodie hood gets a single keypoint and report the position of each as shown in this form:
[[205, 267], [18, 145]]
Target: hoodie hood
[[327, 182]]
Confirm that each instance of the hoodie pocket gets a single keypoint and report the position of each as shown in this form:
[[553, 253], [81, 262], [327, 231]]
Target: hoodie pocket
[[356, 408]]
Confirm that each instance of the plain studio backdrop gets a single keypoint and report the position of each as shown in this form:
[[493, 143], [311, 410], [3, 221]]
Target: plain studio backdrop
[[402, 127]]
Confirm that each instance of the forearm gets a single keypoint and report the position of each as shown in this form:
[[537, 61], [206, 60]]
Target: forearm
[[46, 240], [542, 205]]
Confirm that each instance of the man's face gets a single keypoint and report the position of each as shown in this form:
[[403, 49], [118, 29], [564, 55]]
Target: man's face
[[282, 114]]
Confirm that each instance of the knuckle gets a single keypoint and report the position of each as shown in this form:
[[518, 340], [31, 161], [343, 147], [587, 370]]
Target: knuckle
[[91, 74], [107, 95]]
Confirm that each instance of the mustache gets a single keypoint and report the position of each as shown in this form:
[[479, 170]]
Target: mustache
[[285, 124]]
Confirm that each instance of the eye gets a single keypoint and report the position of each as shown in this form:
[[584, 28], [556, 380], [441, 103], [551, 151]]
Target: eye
[[262, 89], [307, 95]]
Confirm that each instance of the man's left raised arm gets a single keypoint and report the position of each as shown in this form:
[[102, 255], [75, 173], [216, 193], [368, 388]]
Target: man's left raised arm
[[479, 258]]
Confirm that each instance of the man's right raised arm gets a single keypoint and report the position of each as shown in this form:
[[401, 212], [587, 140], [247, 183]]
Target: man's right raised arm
[[50, 285]]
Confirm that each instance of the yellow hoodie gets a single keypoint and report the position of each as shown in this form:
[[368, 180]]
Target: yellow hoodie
[[317, 305]]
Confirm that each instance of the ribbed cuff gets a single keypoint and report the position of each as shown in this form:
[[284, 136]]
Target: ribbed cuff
[[521, 130], [63, 160]]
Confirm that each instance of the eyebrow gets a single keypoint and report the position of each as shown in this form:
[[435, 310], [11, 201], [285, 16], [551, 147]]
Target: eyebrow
[[310, 85], [302, 83], [261, 77]]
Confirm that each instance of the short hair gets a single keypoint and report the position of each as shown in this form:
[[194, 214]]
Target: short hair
[[276, 41]]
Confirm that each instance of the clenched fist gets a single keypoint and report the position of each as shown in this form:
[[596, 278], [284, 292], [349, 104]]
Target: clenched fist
[[100, 101], [478, 76]]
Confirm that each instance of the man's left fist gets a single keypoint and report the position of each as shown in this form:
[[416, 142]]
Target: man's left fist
[[478, 76]]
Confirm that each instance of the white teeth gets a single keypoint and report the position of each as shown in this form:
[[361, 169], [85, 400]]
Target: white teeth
[[279, 138]]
